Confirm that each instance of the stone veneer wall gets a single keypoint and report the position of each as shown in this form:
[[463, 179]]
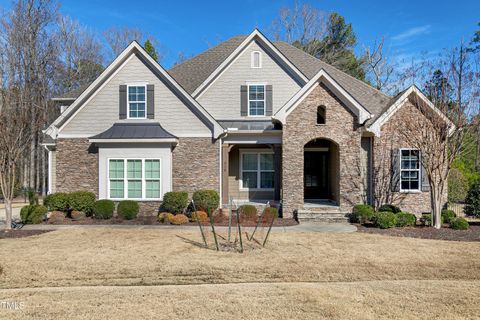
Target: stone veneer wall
[[196, 165], [76, 166], [301, 127], [390, 138]]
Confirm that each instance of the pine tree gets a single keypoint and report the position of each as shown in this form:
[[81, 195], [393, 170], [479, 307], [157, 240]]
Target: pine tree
[[148, 46]]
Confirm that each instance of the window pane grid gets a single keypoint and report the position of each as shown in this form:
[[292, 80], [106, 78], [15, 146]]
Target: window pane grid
[[136, 101], [257, 171], [256, 100], [134, 178], [409, 170]]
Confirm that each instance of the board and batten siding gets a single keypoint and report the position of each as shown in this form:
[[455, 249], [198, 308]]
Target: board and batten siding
[[222, 98], [102, 111]]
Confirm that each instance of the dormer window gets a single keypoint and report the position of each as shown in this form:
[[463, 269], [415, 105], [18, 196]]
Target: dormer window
[[256, 59], [321, 115]]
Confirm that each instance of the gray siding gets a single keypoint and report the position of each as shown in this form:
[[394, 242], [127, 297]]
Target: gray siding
[[103, 109], [222, 98]]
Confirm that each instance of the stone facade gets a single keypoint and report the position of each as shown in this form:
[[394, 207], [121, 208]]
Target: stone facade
[[390, 139], [76, 166], [341, 128], [196, 165]]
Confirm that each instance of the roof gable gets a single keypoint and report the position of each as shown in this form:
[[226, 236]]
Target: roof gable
[[133, 49], [323, 77]]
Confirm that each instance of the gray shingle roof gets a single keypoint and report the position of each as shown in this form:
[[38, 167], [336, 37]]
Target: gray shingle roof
[[75, 93], [134, 131]]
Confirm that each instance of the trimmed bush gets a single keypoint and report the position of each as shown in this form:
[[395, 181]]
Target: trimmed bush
[[270, 213], [25, 213], [164, 217], [199, 215], [37, 215], [103, 209], [248, 212], [128, 209], [426, 220], [206, 200], [362, 213], [56, 201], [175, 202], [178, 219], [459, 224], [385, 220], [82, 201], [448, 215], [472, 202], [406, 219], [389, 208]]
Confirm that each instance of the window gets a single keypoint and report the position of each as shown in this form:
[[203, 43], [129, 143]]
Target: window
[[409, 170], [257, 170], [134, 178], [256, 59], [136, 102], [256, 100], [321, 115]]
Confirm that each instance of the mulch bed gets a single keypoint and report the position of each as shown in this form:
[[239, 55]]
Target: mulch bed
[[219, 221], [20, 233], [445, 233]]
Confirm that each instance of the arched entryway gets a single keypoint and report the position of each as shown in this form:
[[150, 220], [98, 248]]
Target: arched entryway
[[321, 171]]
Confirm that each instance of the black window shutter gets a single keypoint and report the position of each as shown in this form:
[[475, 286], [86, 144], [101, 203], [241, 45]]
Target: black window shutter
[[395, 183], [150, 101], [425, 183], [268, 101], [122, 102], [243, 101]]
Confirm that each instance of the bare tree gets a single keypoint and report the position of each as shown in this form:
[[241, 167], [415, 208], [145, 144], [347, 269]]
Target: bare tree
[[26, 50], [440, 135], [378, 68]]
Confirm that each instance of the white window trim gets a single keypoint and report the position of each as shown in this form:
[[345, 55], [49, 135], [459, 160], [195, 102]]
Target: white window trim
[[125, 179], [264, 99], [258, 171], [419, 170], [252, 63], [128, 99]]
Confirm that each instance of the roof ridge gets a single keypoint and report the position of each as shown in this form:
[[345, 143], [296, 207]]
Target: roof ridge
[[350, 76], [207, 51]]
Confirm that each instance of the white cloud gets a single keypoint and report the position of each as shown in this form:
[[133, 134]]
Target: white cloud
[[412, 32]]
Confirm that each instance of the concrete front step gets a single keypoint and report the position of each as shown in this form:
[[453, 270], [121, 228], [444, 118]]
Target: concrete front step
[[324, 217]]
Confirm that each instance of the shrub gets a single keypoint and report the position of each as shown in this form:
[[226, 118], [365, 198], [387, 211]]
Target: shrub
[[37, 215], [201, 216], [178, 219], [385, 220], [56, 201], [25, 213], [448, 215], [248, 212], [362, 213], [128, 209], [175, 202], [82, 201], [206, 200], [270, 213], [32, 197], [472, 202], [406, 219], [389, 208], [103, 209], [457, 186], [426, 219], [164, 217], [459, 224]]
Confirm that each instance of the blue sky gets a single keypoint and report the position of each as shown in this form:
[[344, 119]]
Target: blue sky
[[410, 27]]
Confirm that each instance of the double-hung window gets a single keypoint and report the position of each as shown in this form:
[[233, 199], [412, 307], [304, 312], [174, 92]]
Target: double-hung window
[[136, 102], [257, 170], [410, 170], [134, 178], [256, 100]]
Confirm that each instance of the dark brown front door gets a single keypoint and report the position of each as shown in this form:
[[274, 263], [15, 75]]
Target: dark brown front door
[[316, 184]]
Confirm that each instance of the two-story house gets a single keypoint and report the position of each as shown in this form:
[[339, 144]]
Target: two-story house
[[253, 119]]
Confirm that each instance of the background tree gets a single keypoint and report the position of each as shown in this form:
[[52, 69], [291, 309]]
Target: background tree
[[148, 46], [378, 69]]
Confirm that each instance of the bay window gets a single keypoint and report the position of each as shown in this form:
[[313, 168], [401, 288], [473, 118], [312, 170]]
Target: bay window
[[134, 178]]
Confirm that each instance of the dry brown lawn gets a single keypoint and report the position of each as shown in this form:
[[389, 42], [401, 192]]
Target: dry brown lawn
[[163, 274]]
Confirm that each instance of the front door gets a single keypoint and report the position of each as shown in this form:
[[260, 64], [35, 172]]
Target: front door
[[316, 184]]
